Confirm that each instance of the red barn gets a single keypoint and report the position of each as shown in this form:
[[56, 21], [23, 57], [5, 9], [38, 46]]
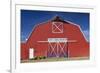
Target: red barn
[[55, 38]]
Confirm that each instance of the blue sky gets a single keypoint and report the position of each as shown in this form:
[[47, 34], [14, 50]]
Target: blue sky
[[29, 18]]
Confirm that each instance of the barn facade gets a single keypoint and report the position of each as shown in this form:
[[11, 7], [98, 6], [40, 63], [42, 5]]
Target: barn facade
[[55, 38]]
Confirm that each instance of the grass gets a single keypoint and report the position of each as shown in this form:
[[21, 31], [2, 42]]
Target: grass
[[54, 59]]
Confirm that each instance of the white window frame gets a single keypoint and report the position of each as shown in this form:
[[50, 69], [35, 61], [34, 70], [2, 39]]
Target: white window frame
[[57, 27]]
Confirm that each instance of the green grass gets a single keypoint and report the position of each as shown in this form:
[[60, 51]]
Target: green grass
[[54, 59]]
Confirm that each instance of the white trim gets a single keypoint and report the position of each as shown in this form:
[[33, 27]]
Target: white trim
[[52, 48], [62, 48], [79, 28], [58, 47], [57, 40], [71, 23], [67, 41], [35, 26]]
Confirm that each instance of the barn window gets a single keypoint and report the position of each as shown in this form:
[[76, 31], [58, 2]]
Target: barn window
[[57, 27]]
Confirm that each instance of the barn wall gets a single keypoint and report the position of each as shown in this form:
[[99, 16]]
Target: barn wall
[[43, 31], [24, 51]]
